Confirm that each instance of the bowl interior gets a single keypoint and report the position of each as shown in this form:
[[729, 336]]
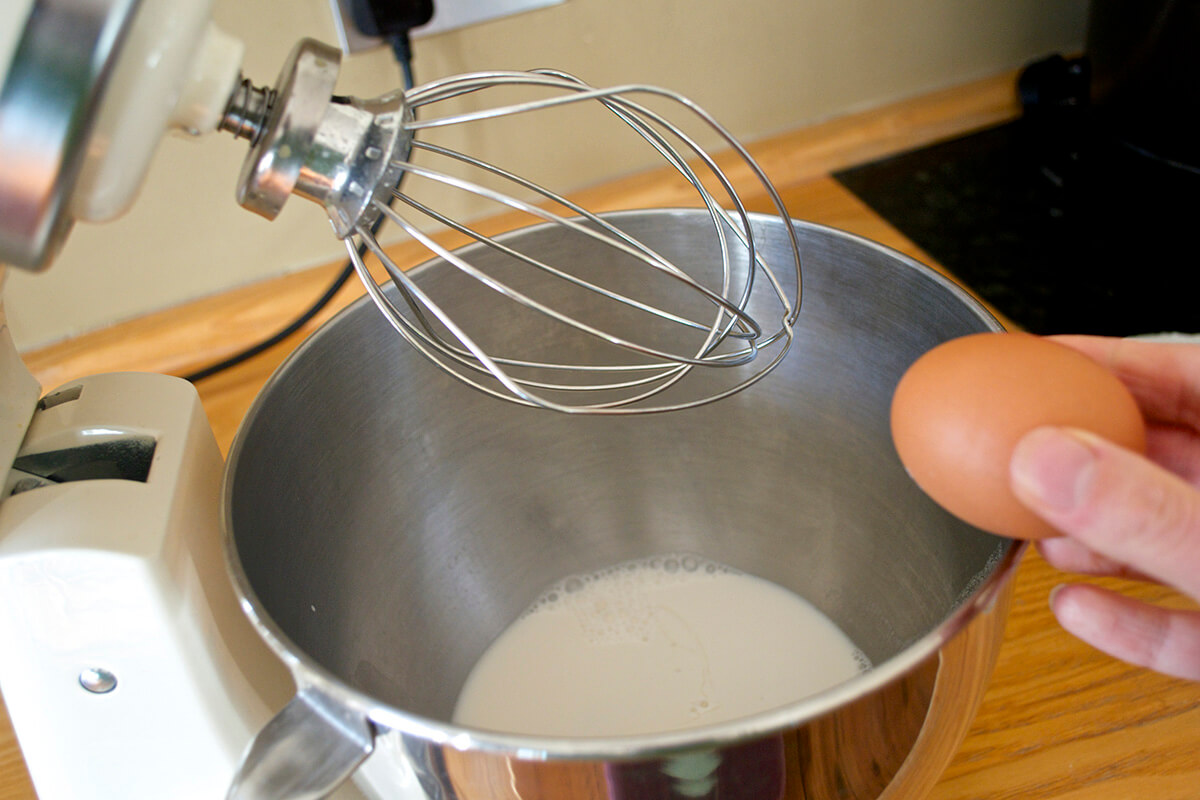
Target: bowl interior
[[391, 522]]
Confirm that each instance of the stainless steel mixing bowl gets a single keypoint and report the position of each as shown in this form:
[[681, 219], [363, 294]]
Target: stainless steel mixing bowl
[[385, 523]]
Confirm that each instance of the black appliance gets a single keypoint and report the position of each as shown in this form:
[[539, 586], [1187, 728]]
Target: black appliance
[[1078, 216]]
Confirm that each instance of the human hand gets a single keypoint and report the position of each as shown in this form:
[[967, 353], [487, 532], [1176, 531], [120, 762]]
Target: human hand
[[1124, 514]]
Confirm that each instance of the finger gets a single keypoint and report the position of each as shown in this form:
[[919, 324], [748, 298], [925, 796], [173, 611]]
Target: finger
[[1164, 377], [1113, 501], [1135, 632], [1146, 367], [1069, 555], [1176, 449]]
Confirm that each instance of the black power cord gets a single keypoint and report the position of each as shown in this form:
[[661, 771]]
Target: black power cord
[[396, 30]]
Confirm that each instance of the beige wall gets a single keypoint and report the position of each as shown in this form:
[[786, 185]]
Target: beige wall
[[760, 66]]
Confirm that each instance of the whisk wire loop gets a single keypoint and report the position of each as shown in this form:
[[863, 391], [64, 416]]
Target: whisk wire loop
[[660, 144], [605, 233], [568, 277], [616, 99], [518, 390], [732, 337]]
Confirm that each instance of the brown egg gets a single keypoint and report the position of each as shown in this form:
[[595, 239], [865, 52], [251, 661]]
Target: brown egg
[[961, 408]]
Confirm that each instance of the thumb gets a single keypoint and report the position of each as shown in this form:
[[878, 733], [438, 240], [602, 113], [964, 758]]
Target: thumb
[[1114, 501]]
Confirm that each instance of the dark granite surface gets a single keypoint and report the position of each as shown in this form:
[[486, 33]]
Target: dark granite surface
[[1060, 229]]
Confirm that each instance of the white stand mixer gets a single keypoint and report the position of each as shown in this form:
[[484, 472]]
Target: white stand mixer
[[127, 667]]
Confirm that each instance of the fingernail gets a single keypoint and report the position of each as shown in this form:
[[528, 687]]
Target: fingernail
[[1052, 467], [1065, 613]]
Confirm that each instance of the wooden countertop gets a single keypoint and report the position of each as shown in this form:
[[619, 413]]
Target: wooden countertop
[[1059, 720]]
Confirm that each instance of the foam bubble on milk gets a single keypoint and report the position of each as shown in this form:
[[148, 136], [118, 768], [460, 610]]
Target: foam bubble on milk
[[612, 605], [658, 644]]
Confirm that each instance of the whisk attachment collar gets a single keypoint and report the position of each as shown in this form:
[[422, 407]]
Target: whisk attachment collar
[[337, 152]]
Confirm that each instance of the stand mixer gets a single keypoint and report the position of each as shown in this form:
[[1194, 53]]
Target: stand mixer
[[84, 139], [111, 572]]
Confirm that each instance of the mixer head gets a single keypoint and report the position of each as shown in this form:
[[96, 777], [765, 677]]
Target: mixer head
[[583, 318]]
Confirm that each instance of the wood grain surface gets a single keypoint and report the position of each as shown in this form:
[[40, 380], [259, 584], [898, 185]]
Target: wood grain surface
[[1059, 720]]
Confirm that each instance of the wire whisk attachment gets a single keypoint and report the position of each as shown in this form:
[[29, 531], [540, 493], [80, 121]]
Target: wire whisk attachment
[[578, 316]]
